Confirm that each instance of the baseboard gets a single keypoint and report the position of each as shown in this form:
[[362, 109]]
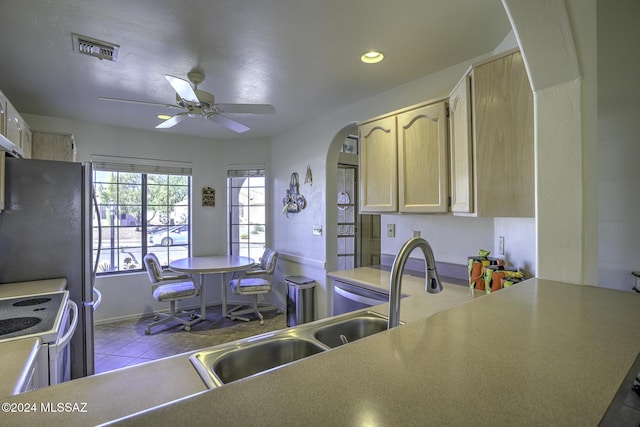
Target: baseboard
[[186, 308]]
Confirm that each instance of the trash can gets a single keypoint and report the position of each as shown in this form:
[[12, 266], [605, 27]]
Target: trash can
[[300, 300]]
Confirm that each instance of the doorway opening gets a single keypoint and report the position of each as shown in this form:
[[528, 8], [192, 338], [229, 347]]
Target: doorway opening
[[358, 235]]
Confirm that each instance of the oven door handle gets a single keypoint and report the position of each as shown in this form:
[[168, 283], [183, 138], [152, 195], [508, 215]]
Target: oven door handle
[[64, 340], [358, 298]]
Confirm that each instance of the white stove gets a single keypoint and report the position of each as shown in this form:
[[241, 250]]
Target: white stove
[[32, 315], [45, 316]]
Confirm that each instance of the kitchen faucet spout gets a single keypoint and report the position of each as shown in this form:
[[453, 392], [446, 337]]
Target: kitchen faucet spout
[[432, 280]]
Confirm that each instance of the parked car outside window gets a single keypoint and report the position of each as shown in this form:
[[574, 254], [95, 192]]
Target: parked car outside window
[[168, 236]]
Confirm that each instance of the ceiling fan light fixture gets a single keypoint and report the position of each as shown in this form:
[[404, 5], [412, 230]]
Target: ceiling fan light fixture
[[163, 116], [372, 57]]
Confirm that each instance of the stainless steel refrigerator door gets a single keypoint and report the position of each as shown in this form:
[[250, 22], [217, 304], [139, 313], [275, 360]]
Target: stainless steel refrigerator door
[[87, 306], [42, 233]]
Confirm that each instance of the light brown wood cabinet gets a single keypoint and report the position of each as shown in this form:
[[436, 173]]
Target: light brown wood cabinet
[[501, 183], [14, 127], [16, 130], [53, 146], [461, 147], [423, 170], [378, 165], [3, 114], [25, 139], [403, 161]]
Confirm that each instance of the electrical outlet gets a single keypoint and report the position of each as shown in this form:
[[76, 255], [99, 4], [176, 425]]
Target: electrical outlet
[[500, 245], [416, 233], [317, 230], [391, 230]]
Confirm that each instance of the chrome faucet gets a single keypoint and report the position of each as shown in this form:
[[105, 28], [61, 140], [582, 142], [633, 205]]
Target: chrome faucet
[[432, 280]]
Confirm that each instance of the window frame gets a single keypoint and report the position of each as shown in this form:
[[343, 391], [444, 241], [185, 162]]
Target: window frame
[[249, 171], [167, 180]]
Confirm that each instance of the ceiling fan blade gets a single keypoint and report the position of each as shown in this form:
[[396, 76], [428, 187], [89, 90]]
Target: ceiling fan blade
[[246, 108], [131, 101], [172, 121], [183, 88], [228, 123]]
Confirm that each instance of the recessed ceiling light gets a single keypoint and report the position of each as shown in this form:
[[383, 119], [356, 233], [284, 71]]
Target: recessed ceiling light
[[163, 117], [372, 57]]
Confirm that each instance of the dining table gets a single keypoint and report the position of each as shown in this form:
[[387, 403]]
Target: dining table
[[212, 264]]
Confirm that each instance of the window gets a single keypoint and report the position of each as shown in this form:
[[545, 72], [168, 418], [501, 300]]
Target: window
[[247, 212], [140, 212]]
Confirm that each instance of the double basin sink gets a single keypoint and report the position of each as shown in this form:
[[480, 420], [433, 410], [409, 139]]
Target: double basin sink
[[240, 359]]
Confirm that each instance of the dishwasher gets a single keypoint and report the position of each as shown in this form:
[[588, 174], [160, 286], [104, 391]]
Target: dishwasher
[[348, 297]]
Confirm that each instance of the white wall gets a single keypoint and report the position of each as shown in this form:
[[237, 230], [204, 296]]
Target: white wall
[[619, 145], [557, 39], [129, 295]]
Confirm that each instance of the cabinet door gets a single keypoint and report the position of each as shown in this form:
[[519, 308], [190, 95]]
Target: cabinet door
[[14, 126], [460, 145], [26, 141], [3, 114], [378, 166], [423, 172], [503, 132], [53, 146]]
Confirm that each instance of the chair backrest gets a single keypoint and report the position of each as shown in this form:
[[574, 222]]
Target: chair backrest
[[268, 261], [154, 271]]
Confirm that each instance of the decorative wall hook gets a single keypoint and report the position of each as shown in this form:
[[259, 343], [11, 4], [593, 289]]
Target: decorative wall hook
[[293, 202]]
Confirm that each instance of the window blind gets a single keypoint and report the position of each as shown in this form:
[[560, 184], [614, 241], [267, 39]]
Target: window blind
[[128, 164]]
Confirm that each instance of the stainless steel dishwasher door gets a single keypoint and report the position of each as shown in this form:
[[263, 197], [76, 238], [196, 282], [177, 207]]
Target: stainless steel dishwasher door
[[347, 298]]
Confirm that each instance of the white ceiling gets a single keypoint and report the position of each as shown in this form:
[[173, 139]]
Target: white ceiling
[[302, 56]]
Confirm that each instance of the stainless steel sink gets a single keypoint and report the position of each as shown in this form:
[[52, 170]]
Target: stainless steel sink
[[225, 365], [350, 330], [240, 359]]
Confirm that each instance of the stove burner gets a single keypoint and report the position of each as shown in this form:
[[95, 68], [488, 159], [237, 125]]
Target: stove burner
[[9, 326], [31, 301]]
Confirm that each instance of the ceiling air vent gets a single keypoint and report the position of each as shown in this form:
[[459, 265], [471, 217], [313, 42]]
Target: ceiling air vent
[[92, 47]]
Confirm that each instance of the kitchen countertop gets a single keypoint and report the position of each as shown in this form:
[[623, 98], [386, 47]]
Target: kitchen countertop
[[540, 352], [17, 289], [22, 352]]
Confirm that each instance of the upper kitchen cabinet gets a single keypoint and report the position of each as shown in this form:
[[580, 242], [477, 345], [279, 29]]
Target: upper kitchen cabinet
[[15, 126], [502, 149], [403, 161], [26, 138], [3, 114], [378, 165], [423, 183], [53, 146], [460, 146]]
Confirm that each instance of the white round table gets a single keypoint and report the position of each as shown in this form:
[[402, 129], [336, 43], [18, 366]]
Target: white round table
[[220, 264]]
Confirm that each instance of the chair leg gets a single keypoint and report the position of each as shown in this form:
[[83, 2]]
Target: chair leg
[[255, 308], [164, 318]]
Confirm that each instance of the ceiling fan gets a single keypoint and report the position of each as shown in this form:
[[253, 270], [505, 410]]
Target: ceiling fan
[[199, 103]]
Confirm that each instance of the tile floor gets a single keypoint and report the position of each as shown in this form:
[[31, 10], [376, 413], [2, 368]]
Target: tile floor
[[124, 343]]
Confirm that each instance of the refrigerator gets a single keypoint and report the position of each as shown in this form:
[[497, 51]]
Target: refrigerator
[[45, 232]]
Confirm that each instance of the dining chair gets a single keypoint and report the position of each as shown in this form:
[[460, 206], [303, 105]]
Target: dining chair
[[255, 281], [169, 287]]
